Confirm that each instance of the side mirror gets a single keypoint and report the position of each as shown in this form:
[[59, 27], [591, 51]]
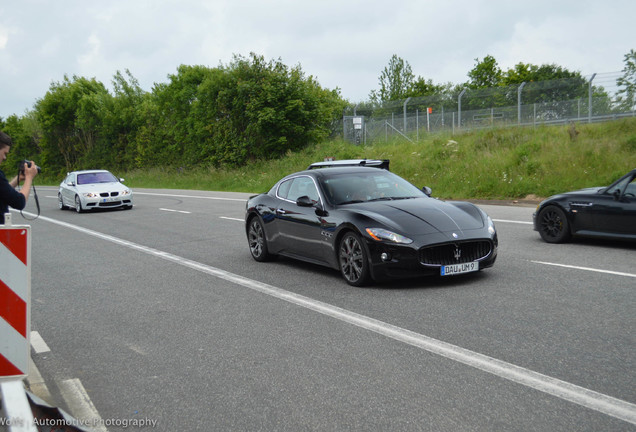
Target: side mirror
[[617, 195], [427, 190], [304, 201], [121, 180]]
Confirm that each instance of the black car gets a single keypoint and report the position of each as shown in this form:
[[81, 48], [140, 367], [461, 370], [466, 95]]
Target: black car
[[370, 224], [606, 212]]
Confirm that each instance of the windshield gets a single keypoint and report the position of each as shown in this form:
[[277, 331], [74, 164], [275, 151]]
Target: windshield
[[359, 187], [99, 177]]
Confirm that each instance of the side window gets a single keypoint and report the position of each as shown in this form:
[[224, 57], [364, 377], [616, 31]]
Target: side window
[[302, 186], [630, 190], [624, 187], [283, 189]]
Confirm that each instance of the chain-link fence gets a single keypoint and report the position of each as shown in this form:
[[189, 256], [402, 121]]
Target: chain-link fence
[[586, 99]]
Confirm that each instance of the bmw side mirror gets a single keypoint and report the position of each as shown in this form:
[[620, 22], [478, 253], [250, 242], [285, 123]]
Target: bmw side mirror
[[304, 201], [427, 190]]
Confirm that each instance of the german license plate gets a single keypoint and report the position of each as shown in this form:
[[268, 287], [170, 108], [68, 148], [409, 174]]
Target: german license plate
[[454, 269]]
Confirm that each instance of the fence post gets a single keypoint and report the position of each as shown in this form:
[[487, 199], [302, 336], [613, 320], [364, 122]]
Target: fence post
[[589, 115], [459, 109], [405, 103], [417, 125], [519, 102]]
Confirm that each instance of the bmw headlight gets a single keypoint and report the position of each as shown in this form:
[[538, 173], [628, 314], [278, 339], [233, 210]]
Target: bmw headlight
[[381, 234], [90, 194], [126, 192]]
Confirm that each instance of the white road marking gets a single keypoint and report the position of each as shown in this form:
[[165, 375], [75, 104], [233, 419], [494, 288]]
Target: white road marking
[[174, 211], [38, 344], [231, 218], [602, 403], [190, 196], [585, 268], [84, 411], [512, 221]]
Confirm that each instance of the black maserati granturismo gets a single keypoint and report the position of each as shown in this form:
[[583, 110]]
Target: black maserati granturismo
[[370, 224]]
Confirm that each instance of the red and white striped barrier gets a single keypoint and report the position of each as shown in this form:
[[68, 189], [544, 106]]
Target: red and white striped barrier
[[15, 293]]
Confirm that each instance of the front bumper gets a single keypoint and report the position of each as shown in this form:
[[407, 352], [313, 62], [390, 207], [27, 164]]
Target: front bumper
[[107, 202], [390, 261]]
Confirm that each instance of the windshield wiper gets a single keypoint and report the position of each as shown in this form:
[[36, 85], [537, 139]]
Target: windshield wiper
[[382, 199]]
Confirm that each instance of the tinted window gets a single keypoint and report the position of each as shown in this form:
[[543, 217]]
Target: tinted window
[[283, 189], [626, 185], [303, 186], [366, 186], [100, 177]]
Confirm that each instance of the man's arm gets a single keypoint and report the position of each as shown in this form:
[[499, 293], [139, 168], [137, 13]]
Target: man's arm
[[27, 179]]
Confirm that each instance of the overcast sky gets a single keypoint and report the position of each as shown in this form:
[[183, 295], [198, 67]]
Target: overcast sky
[[342, 43]]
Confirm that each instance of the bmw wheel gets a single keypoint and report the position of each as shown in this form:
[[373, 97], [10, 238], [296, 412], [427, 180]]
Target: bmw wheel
[[354, 263], [60, 202], [257, 241], [553, 225], [78, 204]]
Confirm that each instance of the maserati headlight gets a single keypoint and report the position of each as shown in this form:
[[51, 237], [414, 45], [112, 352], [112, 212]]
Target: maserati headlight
[[491, 226], [381, 234]]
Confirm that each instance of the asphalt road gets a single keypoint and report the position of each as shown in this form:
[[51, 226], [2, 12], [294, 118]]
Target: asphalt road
[[160, 313]]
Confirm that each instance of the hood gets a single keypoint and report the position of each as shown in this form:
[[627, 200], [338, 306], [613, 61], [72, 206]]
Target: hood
[[586, 191], [420, 216]]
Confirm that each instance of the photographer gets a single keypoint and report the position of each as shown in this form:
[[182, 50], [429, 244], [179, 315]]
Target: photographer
[[9, 196]]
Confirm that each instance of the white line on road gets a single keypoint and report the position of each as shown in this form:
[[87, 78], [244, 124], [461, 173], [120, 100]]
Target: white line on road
[[608, 405], [512, 221], [190, 196], [84, 411], [586, 269], [231, 218], [38, 344], [174, 211]]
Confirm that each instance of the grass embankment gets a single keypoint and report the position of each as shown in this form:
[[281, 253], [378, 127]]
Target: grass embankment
[[495, 163]]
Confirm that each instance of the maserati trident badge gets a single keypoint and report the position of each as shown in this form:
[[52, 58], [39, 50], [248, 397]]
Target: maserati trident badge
[[458, 253]]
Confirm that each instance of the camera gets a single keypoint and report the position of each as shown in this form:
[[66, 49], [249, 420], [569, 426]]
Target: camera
[[28, 164]]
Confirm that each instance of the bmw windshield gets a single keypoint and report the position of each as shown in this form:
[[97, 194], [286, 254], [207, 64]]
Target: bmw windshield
[[98, 177]]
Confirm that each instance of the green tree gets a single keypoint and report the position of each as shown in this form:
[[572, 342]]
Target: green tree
[[24, 143], [485, 73], [68, 116], [484, 85], [627, 83], [396, 81]]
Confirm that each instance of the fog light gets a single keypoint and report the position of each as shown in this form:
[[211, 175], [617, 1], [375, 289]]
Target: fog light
[[385, 256]]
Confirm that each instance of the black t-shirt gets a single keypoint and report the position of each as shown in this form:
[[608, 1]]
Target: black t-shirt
[[9, 197]]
